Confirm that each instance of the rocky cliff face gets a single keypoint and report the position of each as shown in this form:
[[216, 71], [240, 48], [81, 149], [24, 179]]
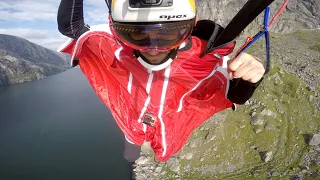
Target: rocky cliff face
[[21, 61], [299, 14], [275, 135]]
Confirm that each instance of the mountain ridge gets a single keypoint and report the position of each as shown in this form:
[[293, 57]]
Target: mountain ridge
[[296, 16], [22, 61]]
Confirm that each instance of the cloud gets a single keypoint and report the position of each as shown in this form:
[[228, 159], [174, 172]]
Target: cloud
[[96, 11], [97, 16], [38, 10], [15, 15], [95, 3], [26, 16], [40, 37], [28, 11]]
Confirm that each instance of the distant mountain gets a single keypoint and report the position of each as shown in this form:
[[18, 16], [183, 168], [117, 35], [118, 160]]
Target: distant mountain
[[22, 61]]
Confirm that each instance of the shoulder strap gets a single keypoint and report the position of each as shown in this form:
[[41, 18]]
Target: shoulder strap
[[242, 19], [207, 30]]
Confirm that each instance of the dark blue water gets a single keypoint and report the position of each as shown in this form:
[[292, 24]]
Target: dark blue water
[[58, 129]]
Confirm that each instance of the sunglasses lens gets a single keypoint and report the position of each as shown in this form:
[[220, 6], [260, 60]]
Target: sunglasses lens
[[137, 36], [162, 36]]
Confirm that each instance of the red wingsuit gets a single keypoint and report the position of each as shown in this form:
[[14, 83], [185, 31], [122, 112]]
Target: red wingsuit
[[179, 95]]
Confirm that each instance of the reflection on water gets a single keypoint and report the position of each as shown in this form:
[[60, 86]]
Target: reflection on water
[[57, 128]]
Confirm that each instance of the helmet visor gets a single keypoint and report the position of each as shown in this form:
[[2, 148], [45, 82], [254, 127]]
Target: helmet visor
[[161, 36]]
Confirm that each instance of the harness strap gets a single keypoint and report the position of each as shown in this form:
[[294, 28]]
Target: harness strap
[[242, 19], [265, 32]]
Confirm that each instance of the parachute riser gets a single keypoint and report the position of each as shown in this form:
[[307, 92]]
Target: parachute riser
[[265, 32]]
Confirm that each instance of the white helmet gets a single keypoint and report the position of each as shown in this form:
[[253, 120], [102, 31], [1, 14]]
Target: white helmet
[[152, 10], [152, 24]]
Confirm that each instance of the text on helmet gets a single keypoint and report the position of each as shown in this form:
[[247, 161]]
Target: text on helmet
[[172, 16]]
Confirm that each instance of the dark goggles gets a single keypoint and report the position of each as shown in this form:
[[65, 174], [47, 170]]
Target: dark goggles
[[161, 36]]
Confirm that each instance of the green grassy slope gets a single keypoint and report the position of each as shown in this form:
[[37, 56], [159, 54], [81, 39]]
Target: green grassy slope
[[236, 152]]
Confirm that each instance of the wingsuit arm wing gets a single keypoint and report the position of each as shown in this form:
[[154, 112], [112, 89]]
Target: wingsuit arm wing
[[70, 18], [82, 37]]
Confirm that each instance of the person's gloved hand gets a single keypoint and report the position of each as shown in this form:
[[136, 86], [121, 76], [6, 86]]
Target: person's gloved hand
[[246, 67]]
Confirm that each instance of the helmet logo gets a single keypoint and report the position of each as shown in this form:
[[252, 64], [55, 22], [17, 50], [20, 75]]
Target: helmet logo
[[172, 16]]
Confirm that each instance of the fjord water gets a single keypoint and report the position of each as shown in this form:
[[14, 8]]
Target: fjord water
[[57, 128]]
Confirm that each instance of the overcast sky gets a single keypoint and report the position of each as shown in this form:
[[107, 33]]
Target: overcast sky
[[35, 20]]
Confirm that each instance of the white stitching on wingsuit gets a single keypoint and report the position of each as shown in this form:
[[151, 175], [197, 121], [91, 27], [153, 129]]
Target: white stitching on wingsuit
[[195, 87], [102, 28], [117, 53], [225, 60], [146, 103], [75, 50], [222, 70], [76, 46], [130, 83], [225, 73], [128, 140], [97, 28], [163, 97], [65, 44], [154, 67]]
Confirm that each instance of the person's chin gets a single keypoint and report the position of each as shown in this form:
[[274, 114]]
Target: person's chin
[[154, 62]]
